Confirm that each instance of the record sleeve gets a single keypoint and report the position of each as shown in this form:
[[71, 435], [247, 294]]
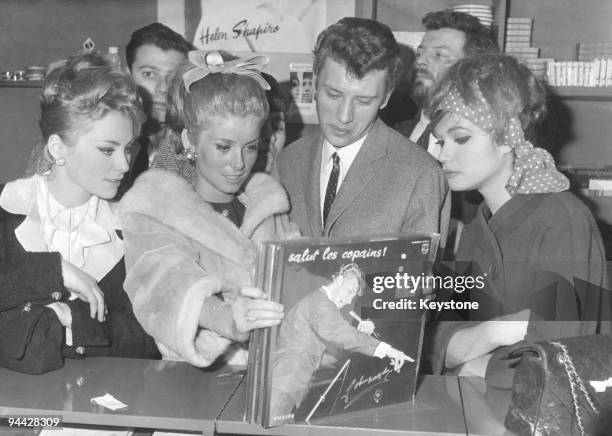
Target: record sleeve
[[352, 334]]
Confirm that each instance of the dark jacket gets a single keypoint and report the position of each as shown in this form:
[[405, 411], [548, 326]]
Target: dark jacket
[[541, 252], [32, 339]]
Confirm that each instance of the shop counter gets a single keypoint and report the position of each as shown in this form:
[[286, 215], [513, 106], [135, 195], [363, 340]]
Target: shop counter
[[436, 410], [158, 394], [176, 396]]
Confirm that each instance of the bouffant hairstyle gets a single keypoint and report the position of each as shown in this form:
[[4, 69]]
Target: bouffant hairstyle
[[478, 38], [508, 87], [76, 91], [158, 35], [362, 45], [216, 94]]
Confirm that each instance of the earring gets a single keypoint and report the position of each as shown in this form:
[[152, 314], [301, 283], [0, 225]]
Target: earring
[[190, 154], [60, 162]]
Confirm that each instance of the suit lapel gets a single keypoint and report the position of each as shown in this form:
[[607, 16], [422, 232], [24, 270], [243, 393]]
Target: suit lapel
[[311, 179], [359, 174]]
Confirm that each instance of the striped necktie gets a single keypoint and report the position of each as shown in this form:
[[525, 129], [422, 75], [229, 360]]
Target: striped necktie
[[332, 184]]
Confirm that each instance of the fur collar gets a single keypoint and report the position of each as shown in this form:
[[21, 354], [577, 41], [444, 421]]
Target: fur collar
[[170, 199]]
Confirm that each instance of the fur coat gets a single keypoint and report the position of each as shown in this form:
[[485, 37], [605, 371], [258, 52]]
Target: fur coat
[[179, 252]]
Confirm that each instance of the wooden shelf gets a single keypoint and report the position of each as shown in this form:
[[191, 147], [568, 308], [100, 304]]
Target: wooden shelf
[[601, 93], [20, 83]]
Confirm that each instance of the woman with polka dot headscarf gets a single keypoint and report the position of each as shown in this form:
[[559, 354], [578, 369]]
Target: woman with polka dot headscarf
[[534, 244]]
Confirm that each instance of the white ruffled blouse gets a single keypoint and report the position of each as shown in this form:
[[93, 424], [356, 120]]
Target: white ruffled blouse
[[84, 235]]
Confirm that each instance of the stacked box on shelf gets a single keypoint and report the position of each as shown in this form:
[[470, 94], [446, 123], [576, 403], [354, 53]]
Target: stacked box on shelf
[[518, 44], [589, 180], [538, 66], [589, 51], [518, 32]]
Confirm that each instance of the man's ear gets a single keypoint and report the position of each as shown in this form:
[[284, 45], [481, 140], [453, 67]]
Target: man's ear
[[387, 97], [56, 147]]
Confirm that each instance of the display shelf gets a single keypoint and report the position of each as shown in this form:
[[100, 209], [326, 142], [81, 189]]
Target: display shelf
[[595, 93], [402, 15], [20, 83]]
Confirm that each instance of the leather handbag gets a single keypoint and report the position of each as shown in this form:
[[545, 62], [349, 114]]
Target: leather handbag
[[551, 392]]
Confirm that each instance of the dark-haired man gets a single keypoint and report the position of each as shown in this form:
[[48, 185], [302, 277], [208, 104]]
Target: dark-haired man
[[450, 36], [153, 55], [356, 176]]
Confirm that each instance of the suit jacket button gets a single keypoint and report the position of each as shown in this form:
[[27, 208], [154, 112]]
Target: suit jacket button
[[56, 295], [80, 350], [27, 307]]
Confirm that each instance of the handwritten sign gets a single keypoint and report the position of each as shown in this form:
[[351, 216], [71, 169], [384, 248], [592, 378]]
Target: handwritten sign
[[289, 26]]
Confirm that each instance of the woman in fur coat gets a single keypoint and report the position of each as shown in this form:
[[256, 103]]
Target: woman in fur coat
[[191, 246]]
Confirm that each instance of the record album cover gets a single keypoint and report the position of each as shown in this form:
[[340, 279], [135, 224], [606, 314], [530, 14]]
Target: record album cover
[[353, 327]]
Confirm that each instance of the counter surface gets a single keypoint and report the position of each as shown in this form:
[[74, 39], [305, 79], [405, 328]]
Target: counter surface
[[158, 394], [176, 396], [437, 409]]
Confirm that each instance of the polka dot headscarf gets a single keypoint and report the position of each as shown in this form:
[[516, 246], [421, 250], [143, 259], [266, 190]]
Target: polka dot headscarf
[[534, 169]]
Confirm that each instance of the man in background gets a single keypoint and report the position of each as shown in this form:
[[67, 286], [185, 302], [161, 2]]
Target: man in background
[[356, 176], [450, 36], [153, 55]]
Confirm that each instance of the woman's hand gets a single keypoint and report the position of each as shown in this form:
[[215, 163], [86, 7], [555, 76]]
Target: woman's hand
[[250, 310], [507, 329], [85, 287], [478, 340]]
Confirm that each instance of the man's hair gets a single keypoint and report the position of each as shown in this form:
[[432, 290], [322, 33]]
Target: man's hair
[[158, 35], [478, 38], [362, 45], [352, 269]]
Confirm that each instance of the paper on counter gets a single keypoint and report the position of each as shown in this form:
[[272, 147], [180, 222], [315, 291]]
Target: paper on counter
[[601, 386], [109, 402]]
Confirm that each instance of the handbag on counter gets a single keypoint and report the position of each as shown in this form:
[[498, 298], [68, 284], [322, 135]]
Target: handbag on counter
[[552, 394]]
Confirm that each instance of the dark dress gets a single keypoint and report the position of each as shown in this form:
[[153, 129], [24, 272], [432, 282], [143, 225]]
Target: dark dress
[[541, 252], [32, 339], [234, 210]]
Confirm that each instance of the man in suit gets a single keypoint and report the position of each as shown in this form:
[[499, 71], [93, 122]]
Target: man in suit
[[356, 176], [450, 36]]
